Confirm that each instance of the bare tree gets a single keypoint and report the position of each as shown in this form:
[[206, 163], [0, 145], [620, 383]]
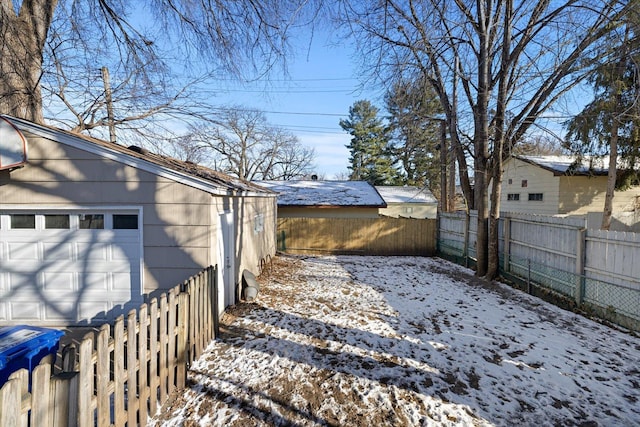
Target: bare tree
[[242, 37], [241, 142], [512, 60]]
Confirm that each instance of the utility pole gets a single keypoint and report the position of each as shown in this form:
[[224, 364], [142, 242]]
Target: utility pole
[[109, 101]]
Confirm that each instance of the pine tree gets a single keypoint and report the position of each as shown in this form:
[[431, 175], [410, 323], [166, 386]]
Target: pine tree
[[370, 154]]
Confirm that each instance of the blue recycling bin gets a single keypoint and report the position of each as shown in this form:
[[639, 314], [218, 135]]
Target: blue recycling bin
[[24, 347]]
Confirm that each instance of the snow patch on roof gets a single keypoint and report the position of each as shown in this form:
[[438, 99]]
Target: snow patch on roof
[[563, 164], [405, 194], [324, 193]]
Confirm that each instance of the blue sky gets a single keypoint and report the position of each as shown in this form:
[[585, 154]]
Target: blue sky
[[321, 86]]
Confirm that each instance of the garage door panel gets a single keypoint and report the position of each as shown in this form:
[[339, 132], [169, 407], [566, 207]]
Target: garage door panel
[[61, 311], [125, 251], [93, 250], [96, 310], [25, 310], [95, 282], [18, 251], [122, 282], [59, 282], [57, 251]]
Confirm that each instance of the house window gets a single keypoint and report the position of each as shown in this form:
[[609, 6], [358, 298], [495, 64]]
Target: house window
[[535, 197], [23, 221], [408, 210], [91, 222], [125, 222], [524, 183], [513, 197], [56, 221], [510, 181]]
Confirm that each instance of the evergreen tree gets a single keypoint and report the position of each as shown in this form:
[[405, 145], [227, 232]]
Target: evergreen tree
[[415, 131], [610, 124], [370, 154]]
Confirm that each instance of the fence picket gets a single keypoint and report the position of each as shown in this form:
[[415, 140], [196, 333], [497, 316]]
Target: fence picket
[[153, 356], [103, 377], [85, 370], [40, 402], [143, 359]]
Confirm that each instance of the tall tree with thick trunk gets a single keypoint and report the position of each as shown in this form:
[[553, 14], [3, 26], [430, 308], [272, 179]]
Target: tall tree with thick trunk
[[23, 34], [512, 60]]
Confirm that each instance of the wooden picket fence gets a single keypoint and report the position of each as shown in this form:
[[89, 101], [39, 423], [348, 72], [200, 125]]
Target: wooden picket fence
[[122, 373]]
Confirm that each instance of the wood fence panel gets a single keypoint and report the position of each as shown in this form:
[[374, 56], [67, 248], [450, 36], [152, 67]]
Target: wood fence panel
[[365, 236]]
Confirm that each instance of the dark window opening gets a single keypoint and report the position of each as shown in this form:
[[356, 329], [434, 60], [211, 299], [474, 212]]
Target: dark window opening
[[535, 197], [56, 221], [91, 222], [513, 196], [524, 183], [125, 222], [26, 221]]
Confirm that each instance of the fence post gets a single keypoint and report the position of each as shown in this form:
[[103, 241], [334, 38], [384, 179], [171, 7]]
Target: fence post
[[465, 250], [65, 399], [528, 276], [506, 231], [580, 254], [213, 288]]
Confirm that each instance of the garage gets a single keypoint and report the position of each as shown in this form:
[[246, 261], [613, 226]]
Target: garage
[[65, 266]]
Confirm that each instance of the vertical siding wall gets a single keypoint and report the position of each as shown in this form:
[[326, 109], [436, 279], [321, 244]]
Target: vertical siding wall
[[365, 236], [598, 270]]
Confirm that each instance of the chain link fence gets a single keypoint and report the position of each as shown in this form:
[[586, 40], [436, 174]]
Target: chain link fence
[[607, 301]]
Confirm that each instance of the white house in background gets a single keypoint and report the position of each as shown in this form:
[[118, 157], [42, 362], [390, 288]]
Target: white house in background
[[554, 185], [408, 202], [88, 228]]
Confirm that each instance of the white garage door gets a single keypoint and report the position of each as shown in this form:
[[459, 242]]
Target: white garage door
[[68, 267]]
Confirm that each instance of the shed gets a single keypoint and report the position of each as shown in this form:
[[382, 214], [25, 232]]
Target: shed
[[89, 228]]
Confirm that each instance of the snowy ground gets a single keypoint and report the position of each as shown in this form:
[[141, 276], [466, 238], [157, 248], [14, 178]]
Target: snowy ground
[[406, 341]]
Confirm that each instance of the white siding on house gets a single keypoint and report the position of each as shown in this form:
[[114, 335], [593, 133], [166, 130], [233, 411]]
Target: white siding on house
[[538, 181]]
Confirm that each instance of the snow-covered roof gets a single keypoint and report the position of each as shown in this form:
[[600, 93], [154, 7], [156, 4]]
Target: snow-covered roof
[[325, 193], [405, 194], [567, 164]]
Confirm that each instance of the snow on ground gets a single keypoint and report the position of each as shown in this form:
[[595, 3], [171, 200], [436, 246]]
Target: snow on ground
[[405, 341]]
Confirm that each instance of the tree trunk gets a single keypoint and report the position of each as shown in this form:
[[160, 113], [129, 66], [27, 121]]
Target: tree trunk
[[499, 142], [22, 39], [611, 176]]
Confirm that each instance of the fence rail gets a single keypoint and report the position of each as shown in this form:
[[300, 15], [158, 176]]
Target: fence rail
[[120, 374], [370, 236], [593, 269]]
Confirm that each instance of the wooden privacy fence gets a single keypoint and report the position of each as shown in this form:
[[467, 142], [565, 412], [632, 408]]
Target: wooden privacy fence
[[364, 236], [119, 375], [596, 270]]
